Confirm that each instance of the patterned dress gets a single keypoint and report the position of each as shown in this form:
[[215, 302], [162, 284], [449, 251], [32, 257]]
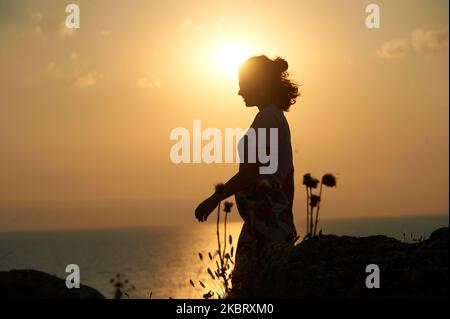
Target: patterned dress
[[266, 206], [266, 209]]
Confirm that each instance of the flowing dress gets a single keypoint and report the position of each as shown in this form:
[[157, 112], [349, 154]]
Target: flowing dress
[[266, 206]]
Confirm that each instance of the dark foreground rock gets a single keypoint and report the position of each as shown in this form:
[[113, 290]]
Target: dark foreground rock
[[335, 267], [32, 284]]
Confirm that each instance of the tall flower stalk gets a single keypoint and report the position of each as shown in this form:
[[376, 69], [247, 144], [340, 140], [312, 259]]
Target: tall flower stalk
[[310, 183], [220, 189], [317, 209], [313, 200], [227, 210], [330, 181], [221, 274], [307, 210]]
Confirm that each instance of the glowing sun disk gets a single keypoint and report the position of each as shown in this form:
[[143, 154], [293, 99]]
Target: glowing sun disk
[[229, 56]]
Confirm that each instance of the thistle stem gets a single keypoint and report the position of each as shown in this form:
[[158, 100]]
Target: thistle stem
[[218, 233], [307, 210], [317, 210], [311, 214], [225, 263], [225, 235], [222, 269]]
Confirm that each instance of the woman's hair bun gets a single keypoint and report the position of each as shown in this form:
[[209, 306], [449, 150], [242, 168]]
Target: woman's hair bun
[[280, 64], [271, 76]]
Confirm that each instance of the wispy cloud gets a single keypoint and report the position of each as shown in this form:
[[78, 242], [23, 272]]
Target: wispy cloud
[[153, 82], [189, 24], [105, 33], [36, 18], [192, 25], [67, 76], [53, 71], [394, 49], [88, 79], [420, 41]]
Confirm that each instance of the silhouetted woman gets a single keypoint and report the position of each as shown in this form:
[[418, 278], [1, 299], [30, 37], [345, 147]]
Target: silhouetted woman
[[263, 200]]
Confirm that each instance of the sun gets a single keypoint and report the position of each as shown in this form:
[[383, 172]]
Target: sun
[[229, 55]]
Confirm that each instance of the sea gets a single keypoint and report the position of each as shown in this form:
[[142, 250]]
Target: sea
[[159, 262]]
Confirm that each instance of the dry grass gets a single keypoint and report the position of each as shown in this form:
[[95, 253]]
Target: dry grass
[[222, 259]]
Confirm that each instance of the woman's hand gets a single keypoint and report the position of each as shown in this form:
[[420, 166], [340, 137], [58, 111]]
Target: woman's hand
[[206, 208]]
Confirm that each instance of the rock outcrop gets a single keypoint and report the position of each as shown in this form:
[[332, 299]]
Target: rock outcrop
[[32, 284], [330, 266]]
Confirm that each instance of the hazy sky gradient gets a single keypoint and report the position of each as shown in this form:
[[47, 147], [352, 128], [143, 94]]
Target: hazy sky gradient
[[85, 117]]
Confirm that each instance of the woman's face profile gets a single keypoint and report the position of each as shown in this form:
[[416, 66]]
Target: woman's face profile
[[248, 91]]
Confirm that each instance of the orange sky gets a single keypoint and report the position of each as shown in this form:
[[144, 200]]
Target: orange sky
[[85, 116]]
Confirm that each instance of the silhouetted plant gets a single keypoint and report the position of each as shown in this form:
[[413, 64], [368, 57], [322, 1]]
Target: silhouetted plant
[[310, 183], [208, 295], [122, 286], [329, 181], [221, 258], [313, 200]]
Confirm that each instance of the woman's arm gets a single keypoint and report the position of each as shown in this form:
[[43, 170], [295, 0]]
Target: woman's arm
[[239, 182], [242, 180]]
